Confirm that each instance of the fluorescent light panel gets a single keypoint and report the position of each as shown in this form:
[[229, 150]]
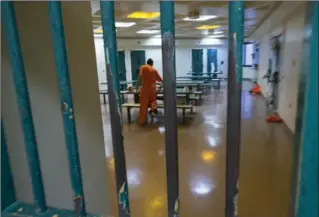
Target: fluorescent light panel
[[203, 27], [143, 15], [218, 32], [146, 31], [215, 36], [200, 18], [124, 24], [99, 31]]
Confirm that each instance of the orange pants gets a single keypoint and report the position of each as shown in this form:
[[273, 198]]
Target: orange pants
[[147, 99]]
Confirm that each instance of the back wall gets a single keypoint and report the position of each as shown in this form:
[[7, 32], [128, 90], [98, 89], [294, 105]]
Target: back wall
[[152, 48]]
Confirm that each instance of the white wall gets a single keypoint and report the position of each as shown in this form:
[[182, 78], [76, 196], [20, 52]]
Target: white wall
[[288, 20], [153, 50], [290, 67], [36, 44]]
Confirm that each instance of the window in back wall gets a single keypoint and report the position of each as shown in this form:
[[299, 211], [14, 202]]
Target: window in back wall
[[248, 50]]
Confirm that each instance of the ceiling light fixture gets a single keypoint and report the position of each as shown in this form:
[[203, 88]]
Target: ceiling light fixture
[[216, 36], [203, 27], [143, 15], [200, 18], [99, 31], [218, 32], [148, 31], [124, 24]]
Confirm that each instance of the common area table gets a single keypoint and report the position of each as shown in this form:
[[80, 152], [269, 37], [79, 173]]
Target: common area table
[[179, 92], [204, 73], [190, 83], [122, 83]]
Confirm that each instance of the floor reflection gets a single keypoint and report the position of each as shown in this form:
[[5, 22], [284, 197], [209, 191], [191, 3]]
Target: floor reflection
[[264, 166]]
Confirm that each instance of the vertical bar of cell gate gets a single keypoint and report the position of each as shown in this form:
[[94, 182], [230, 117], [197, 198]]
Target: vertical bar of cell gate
[[168, 56], [8, 195], [235, 48], [62, 69], [110, 49], [110, 43], [303, 79], [307, 186], [21, 86]]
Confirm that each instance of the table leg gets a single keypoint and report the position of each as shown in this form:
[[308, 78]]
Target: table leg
[[104, 98], [129, 114], [122, 95]]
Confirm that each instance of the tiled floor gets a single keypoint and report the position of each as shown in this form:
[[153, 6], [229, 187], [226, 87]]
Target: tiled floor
[[265, 164]]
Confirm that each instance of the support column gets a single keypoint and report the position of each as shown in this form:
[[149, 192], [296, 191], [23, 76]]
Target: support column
[[110, 49], [307, 184], [21, 86], [235, 50], [169, 75], [62, 70]]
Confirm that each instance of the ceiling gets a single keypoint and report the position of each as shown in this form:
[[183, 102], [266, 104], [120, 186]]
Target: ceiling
[[255, 13]]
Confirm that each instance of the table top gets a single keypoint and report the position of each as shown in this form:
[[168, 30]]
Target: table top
[[204, 73], [189, 82], [199, 77], [160, 92], [123, 82]]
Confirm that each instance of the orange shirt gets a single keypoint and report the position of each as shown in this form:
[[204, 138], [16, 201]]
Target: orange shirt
[[149, 76]]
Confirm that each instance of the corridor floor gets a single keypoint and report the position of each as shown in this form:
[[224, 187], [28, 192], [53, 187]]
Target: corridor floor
[[265, 164]]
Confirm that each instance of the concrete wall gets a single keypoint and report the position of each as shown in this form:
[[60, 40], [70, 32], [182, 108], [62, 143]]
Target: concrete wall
[[287, 20], [36, 43]]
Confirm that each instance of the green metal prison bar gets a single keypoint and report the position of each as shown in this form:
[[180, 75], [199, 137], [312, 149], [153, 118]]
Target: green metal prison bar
[[110, 49], [307, 185], [62, 69], [23, 100], [8, 196], [235, 52], [170, 119]]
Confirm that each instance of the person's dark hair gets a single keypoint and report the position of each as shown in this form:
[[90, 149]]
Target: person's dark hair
[[150, 62]]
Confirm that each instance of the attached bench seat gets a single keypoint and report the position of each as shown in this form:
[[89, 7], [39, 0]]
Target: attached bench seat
[[213, 80], [129, 106]]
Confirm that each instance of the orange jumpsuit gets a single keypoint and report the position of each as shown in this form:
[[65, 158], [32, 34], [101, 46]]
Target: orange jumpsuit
[[149, 76]]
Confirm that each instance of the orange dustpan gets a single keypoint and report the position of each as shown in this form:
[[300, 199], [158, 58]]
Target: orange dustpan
[[274, 118]]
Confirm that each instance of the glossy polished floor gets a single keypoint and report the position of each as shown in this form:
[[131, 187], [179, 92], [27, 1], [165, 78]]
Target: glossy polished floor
[[265, 163]]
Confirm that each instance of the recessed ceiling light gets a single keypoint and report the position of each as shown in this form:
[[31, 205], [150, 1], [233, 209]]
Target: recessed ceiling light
[[124, 24], [216, 36], [218, 32], [143, 15], [99, 31], [200, 18], [207, 27], [157, 36], [148, 31]]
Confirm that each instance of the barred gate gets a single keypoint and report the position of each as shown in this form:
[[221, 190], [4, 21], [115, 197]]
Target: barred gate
[[236, 38]]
